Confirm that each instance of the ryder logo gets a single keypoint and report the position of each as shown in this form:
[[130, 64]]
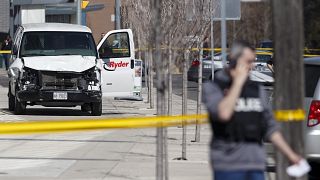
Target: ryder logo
[[115, 65]]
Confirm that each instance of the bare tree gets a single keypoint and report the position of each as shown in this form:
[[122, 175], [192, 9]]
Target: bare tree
[[177, 28]]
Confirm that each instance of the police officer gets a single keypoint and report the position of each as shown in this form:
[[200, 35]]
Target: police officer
[[6, 46], [241, 119]]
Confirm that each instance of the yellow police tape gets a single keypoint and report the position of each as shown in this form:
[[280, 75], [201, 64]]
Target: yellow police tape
[[33, 127], [95, 124], [289, 115], [5, 52]]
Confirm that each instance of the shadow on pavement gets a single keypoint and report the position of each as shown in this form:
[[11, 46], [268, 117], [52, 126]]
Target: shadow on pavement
[[134, 154], [4, 80], [63, 159], [58, 112], [72, 140]]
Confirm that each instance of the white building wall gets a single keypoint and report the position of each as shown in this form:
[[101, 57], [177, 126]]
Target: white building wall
[[33, 14], [4, 16]]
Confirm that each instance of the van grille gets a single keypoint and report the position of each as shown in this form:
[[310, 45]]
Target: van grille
[[59, 81]]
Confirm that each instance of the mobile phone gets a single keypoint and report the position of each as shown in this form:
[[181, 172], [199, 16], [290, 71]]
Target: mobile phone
[[232, 63]]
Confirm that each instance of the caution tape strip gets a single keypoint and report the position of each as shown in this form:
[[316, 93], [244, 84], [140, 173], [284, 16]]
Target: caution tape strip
[[33, 127], [5, 52], [289, 115], [311, 55], [95, 124]]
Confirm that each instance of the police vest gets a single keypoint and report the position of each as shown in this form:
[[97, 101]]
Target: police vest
[[247, 123]]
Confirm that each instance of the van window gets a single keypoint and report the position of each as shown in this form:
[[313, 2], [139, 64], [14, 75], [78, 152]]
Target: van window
[[312, 74], [57, 44], [117, 45]]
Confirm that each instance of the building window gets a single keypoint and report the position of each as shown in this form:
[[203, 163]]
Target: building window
[[61, 18]]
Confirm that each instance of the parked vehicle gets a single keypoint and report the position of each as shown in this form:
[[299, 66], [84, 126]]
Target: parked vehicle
[[261, 73], [312, 107], [262, 58], [206, 67], [58, 65], [266, 44]]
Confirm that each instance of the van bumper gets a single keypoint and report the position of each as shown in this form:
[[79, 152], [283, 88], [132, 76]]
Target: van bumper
[[79, 97]]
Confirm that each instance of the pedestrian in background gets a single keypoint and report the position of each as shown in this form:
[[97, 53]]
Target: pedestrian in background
[[270, 65], [102, 36], [206, 46], [241, 119], [6, 46]]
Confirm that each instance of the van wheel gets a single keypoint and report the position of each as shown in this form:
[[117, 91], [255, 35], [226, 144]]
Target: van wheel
[[20, 107], [96, 108], [11, 100], [85, 108]]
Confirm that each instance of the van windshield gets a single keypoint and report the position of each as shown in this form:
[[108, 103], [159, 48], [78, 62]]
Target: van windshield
[[57, 44]]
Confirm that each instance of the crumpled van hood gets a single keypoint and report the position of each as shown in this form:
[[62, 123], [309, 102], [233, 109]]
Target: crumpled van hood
[[73, 63]]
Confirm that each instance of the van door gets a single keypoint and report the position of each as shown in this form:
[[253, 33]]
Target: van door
[[116, 50]]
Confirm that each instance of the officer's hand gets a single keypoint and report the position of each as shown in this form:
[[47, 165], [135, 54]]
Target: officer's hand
[[294, 158], [240, 73]]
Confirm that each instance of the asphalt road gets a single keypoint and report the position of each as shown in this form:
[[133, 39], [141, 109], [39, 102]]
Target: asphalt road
[[177, 87], [118, 154], [193, 87]]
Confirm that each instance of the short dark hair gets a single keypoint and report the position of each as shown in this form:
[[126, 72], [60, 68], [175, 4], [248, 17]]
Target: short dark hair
[[237, 48], [236, 52]]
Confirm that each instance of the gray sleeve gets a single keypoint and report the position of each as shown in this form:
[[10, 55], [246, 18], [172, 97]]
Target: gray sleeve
[[212, 95], [272, 125]]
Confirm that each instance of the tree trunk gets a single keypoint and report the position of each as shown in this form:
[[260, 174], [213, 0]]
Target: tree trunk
[[199, 99], [161, 169], [146, 73], [150, 79], [185, 103], [170, 80]]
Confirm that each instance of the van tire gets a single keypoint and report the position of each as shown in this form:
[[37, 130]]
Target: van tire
[[96, 108], [11, 100], [20, 107], [85, 108]]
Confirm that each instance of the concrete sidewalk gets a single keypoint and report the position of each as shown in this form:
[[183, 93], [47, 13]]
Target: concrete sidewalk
[[127, 154]]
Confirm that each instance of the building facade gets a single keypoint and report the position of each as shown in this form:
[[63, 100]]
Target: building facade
[[4, 16], [101, 21]]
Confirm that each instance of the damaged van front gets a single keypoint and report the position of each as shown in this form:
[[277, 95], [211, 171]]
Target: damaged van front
[[55, 65]]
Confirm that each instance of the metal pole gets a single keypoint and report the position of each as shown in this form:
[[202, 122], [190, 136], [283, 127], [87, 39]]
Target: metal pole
[[79, 11], [212, 43], [11, 19], [118, 4], [223, 33], [198, 126]]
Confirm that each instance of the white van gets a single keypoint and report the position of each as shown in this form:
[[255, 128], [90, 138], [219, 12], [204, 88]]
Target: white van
[[58, 65]]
